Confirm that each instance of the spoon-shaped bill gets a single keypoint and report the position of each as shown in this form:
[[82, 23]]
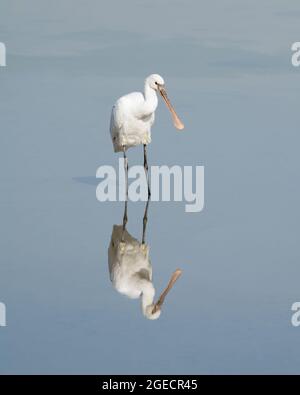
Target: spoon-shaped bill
[[162, 297], [176, 120]]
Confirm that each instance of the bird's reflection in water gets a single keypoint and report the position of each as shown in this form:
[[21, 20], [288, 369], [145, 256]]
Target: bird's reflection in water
[[131, 270]]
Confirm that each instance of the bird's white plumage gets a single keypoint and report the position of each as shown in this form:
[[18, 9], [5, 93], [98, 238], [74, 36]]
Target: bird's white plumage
[[131, 270], [133, 115]]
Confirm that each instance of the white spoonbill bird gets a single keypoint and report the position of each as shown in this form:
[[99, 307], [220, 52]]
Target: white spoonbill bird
[[130, 271], [133, 115]]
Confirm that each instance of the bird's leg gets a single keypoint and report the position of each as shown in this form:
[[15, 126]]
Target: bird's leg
[[125, 217], [126, 172], [146, 169], [145, 220], [125, 220]]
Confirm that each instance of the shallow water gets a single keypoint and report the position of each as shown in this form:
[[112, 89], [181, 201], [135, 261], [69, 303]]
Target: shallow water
[[228, 71]]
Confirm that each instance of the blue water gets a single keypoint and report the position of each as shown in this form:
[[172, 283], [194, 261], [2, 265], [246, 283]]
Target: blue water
[[228, 70]]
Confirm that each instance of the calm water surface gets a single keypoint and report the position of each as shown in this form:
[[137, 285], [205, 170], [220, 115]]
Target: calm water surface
[[228, 70]]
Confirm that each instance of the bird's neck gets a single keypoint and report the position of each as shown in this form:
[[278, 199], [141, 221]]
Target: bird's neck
[[151, 101], [148, 293]]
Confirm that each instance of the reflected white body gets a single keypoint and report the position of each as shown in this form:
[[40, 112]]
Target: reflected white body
[[131, 270], [133, 115]]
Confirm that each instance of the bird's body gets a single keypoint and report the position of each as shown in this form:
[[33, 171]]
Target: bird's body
[[131, 270], [132, 117]]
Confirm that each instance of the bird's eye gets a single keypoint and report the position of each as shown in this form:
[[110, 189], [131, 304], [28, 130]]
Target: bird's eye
[[156, 83]]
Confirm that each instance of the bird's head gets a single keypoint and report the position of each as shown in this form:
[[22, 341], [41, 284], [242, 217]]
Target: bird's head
[[155, 81], [150, 314], [152, 310]]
